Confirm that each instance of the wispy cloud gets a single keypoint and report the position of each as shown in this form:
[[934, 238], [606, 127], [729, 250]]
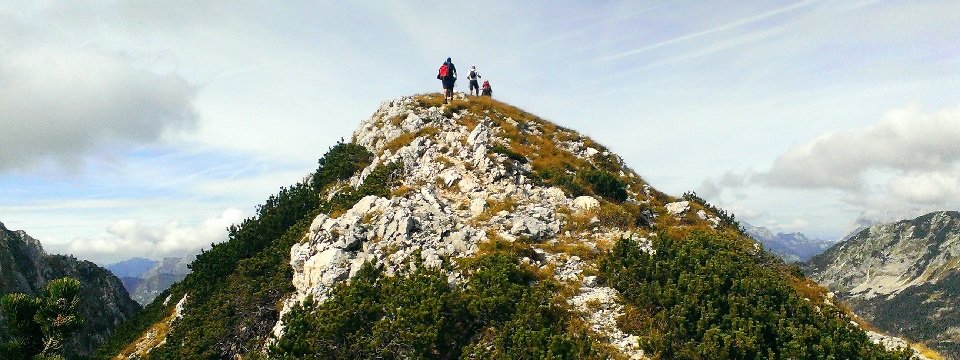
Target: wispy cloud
[[73, 204], [728, 26]]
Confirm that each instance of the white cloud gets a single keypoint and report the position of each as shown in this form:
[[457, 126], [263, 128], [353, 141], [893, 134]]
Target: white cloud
[[711, 188], [130, 238], [744, 213], [904, 141], [59, 105], [903, 166], [928, 188]]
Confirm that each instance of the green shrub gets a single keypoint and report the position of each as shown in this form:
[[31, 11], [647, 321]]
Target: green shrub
[[727, 219], [606, 184], [41, 325], [701, 297], [498, 314], [583, 181], [378, 182], [562, 178], [235, 286], [343, 160]]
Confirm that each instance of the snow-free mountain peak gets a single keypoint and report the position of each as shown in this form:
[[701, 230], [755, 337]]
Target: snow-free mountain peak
[[902, 276], [475, 229]]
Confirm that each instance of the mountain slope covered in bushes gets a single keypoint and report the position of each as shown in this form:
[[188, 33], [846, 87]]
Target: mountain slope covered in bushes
[[477, 230]]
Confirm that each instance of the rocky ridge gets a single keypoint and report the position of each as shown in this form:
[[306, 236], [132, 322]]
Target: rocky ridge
[[450, 181], [455, 194], [902, 277], [887, 259]]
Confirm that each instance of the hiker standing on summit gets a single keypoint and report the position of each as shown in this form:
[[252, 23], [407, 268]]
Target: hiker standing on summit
[[473, 76], [448, 76], [487, 90]]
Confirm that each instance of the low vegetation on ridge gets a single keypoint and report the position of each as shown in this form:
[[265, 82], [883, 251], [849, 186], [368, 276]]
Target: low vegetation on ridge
[[502, 311], [700, 297], [236, 286]]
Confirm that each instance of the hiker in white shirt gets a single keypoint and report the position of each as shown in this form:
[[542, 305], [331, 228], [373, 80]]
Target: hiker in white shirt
[[473, 76]]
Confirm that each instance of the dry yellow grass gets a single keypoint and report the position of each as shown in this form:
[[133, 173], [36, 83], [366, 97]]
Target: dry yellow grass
[[447, 163], [406, 138], [336, 213], [401, 191], [153, 337], [571, 245], [495, 206], [430, 100], [926, 351], [395, 120]]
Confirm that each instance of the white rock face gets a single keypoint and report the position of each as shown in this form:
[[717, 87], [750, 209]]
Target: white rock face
[[178, 310], [460, 193], [602, 304], [886, 259], [678, 208], [585, 202], [893, 343]]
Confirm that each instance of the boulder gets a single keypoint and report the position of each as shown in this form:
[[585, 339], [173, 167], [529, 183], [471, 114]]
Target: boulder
[[585, 202], [678, 208]]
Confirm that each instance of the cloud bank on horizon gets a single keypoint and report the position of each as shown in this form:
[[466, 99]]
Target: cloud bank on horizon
[[137, 128], [903, 165]]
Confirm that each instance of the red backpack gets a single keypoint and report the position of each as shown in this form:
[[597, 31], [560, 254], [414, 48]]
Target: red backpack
[[444, 69]]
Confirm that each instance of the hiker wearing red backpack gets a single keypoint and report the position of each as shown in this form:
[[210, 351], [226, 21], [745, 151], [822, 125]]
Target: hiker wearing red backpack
[[447, 76], [487, 90]]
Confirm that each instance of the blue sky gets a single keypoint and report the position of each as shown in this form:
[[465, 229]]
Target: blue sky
[[139, 128]]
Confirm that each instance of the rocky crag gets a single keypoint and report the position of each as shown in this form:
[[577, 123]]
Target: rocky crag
[[462, 186], [425, 192], [903, 277], [26, 268]]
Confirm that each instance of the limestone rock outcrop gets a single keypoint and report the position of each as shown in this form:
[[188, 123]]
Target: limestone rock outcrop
[[458, 190]]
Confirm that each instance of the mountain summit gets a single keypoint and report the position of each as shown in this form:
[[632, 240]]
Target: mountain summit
[[477, 230]]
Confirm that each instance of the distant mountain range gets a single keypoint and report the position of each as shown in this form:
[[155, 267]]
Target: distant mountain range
[[903, 277], [26, 268], [791, 247], [132, 268], [145, 278]]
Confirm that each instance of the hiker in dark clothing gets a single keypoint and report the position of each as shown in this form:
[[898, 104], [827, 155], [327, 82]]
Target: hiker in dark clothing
[[448, 76], [487, 90], [473, 76]]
